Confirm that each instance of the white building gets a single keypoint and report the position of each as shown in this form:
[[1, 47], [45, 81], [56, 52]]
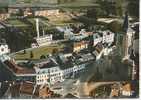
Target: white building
[[55, 74], [108, 37], [46, 13], [78, 46], [41, 40], [68, 34], [4, 16], [49, 76], [128, 41], [73, 70], [96, 38], [4, 58], [51, 73], [104, 37], [4, 48]]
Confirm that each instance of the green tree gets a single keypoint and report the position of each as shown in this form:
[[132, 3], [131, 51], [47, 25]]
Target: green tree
[[111, 7], [133, 8], [115, 26], [92, 13], [119, 7], [54, 51], [42, 57], [105, 6]]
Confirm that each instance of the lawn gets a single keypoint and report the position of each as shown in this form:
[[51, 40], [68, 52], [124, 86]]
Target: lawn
[[16, 22], [37, 52]]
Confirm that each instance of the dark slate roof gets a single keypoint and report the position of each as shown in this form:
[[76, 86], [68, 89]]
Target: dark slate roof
[[69, 95]]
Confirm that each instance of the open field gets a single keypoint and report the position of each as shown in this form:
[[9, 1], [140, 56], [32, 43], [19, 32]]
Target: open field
[[37, 52], [16, 23]]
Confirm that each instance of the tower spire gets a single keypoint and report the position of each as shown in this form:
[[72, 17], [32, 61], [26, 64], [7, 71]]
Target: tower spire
[[37, 27], [126, 22]]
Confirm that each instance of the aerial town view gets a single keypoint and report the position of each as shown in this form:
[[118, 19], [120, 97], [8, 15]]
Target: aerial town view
[[80, 49]]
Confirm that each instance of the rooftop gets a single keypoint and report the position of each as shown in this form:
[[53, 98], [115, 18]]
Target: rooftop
[[126, 87], [18, 69], [37, 52], [28, 87], [50, 64], [69, 95]]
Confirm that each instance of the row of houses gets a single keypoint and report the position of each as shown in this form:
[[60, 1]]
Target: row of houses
[[28, 90], [123, 89], [65, 66], [55, 68], [58, 68], [104, 37], [51, 70], [82, 41], [4, 16], [98, 36], [28, 12]]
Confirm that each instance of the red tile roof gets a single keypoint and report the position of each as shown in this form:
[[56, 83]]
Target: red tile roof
[[27, 88], [18, 69]]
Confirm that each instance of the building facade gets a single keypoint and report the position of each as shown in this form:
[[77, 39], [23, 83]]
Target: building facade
[[4, 16], [52, 73], [4, 49], [108, 37], [78, 46], [42, 40], [96, 39], [49, 76], [46, 13], [55, 74], [45, 39], [103, 37]]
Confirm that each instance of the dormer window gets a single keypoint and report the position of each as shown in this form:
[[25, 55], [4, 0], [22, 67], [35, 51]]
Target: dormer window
[[108, 33]]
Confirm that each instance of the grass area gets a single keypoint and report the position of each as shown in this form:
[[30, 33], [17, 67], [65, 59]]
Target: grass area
[[37, 52], [16, 22], [32, 20], [64, 23], [78, 5]]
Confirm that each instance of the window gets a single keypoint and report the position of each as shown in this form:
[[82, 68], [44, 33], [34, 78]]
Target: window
[[108, 33], [2, 49], [53, 70]]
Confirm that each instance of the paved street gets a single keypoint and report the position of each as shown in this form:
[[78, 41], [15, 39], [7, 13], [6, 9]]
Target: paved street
[[68, 86]]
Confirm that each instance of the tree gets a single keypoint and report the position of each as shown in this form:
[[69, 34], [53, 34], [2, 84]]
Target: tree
[[119, 8], [92, 13], [115, 26], [54, 51], [105, 6], [111, 7], [42, 57], [133, 8], [31, 54]]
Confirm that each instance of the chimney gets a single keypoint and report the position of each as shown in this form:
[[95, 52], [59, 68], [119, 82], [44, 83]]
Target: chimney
[[43, 32], [37, 27]]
